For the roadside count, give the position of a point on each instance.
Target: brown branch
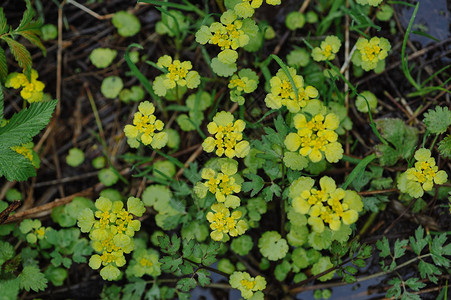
(12, 207)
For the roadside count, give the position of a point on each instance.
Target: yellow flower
(282, 92)
(328, 205)
(32, 91)
(316, 138)
(145, 125)
(222, 185)
(227, 136)
(329, 47)
(422, 176)
(178, 74)
(250, 287)
(223, 223)
(26, 152)
(370, 52)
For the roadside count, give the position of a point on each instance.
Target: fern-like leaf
(32, 36)
(3, 22)
(3, 66)
(26, 124)
(21, 54)
(27, 16)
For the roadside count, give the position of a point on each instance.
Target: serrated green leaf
(400, 249)
(444, 147)
(3, 22)
(26, 124)
(203, 277)
(32, 36)
(174, 245)
(395, 290)
(3, 75)
(359, 263)
(2, 100)
(186, 284)
(415, 284)
(428, 270)
(351, 270)
(32, 278)
(384, 247)
(188, 247)
(21, 54)
(348, 278)
(419, 241)
(437, 250)
(170, 264)
(186, 268)
(15, 166)
(438, 120)
(255, 185)
(134, 290)
(27, 16)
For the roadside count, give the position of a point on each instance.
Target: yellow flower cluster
(228, 35)
(223, 223)
(222, 185)
(327, 50)
(422, 176)
(144, 127)
(282, 92)
(32, 91)
(227, 136)
(370, 52)
(250, 287)
(111, 232)
(179, 74)
(316, 138)
(328, 205)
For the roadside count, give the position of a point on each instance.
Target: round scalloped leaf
(272, 245)
(320, 241)
(195, 230)
(49, 32)
(203, 102)
(295, 161)
(163, 169)
(385, 13)
(438, 120)
(295, 20)
(300, 258)
(75, 157)
(298, 235)
(111, 87)
(242, 245)
(298, 58)
(322, 265)
(156, 194)
(342, 234)
(126, 23)
(102, 57)
(108, 177)
(221, 69)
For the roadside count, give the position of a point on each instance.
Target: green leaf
(26, 124)
(395, 290)
(438, 250)
(358, 169)
(415, 284)
(15, 166)
(403, 138)
(135, 290)
(21, 54)
(27, 16)
(186, 284)
(186, 268)
(400, 249)
(3, 74)
(438, 120)
(6, 252)
(428, 270)
(127, 24)
(203, 277)
(31, 33)
(256, 185)
(384, 247)
(4, 28)
(419, 241)
(444, 147)
(32, 278)
(270, 191)
(170, 264)
(188, 247)
(10, 289)
(2, 99)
